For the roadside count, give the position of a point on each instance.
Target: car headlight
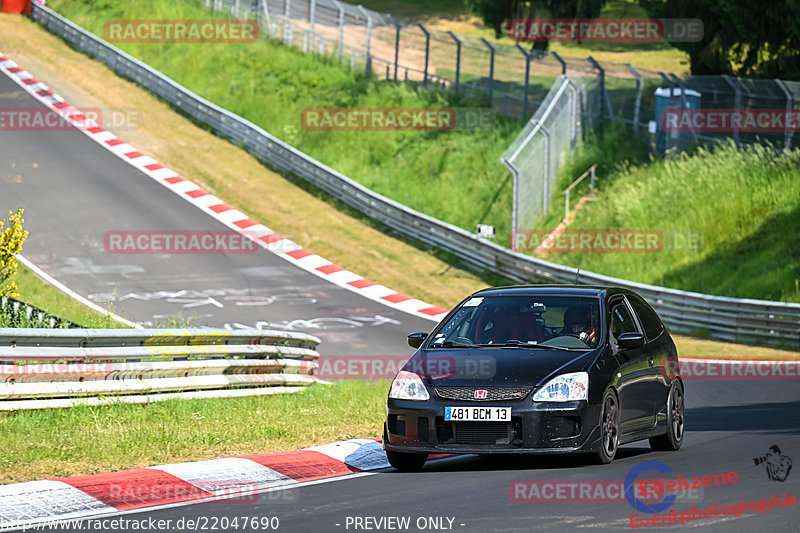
(564, 388)
(408, 386)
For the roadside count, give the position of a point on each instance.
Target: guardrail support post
(491, 67)
(638, 102)
(458, 59)
(368, 67)
(427, 53)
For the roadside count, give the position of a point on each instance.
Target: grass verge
(742, 204)
(34, 291)
(87, 440)
(453, 175)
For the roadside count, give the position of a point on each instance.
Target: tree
(498, 14)
(753, 38)
(11, 239)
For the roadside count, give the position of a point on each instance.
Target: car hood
(495, 367)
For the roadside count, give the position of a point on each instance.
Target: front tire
(406, 462)
(609, 429)
(671, 440)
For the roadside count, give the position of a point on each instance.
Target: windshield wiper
(513, 343)
(519, 344)
(454, 344)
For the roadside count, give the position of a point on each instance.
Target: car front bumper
(535, 427)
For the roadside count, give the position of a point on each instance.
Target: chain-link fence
(675, 112)
(538, 153)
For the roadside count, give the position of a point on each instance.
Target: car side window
(621, 320)
(649, 319)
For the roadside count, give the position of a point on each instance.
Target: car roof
(549, 290)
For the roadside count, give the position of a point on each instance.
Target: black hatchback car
(537, 369)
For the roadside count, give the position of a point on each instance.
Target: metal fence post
(573, 114)
(491, 68)
(265, 10)
(527, 80)
(563, 63)
(546, 169)
(787, 142)
(341, 27)
(427, 53)
(458, 59)
(312, 6)
(287, 24)
(603, 90)
(737, 102)
(684, 101)
(368, 68)
(638, 102)
(514, 207)
(396, 44)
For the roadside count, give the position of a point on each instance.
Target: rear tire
(609, 429)
(406, 462)
(671, 440)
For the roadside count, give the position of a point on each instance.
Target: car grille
(481, 433)
(492, 393)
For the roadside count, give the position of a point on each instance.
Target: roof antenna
(577, 273)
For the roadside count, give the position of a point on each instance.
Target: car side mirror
(415, 340)
(630, 340)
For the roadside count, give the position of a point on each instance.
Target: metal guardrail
(25, 314)
(722, 318)
(41, 368)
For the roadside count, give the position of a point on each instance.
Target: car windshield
(565, 322)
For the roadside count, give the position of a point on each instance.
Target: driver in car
(578, 322)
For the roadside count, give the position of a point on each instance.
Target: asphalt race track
(74, 191)
(729, 423)
(77, 191)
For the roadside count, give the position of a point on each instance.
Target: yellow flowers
(12, 235)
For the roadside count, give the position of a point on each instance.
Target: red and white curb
(240, 478)
(213, 206)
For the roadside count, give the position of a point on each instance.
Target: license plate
(477, 414)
